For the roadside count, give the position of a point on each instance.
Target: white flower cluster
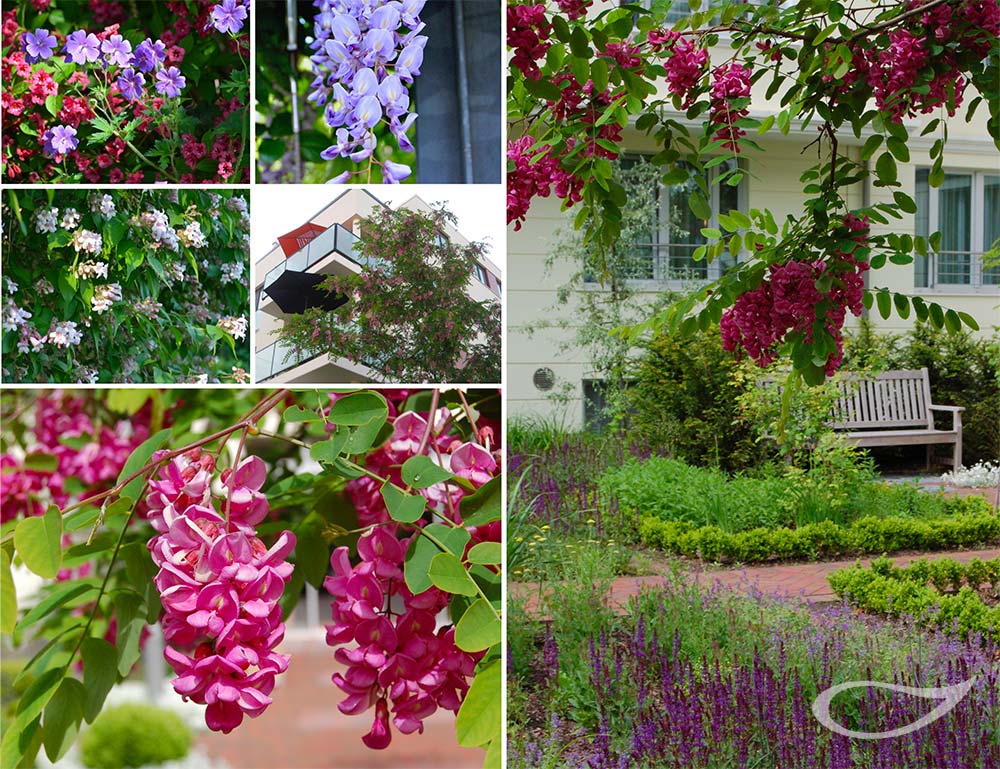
(105, 296)
(980, 475)
(46, 219)
(85, 375)
(148, 307)
(173, 272)
(232, 272)
(13, 316)
(192, 236)
(240, 376)
(70, 219)
(12, 287)
(235, 326)
(87, 241)
(64, 334)
(237, 203)
(29, 339)
(159, 227)
(43, 287)
(103, 203)
(92, 270)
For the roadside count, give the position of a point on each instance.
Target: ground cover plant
(943, 592)
(208, 512)
(99, 92)
(699, 677)
(125, 286)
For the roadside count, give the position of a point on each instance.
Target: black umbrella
(296, 292)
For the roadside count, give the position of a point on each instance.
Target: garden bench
(895, 409)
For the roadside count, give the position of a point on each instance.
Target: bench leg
(930, 456)
(956, 460)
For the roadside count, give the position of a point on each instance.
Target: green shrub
(825, 539)
(884, 589)
(134, 735)
(684, 400)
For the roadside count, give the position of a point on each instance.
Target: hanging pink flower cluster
(528, 179)
(730, 81)
(396, 656)
(61, 420)
(528, 32)
(574, 9)
(685, 64)
(786, 301)
(219, 585)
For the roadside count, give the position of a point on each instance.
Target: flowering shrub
(410, 317)
(173, 518)
(580, 75)
(101, 97)
(128, 286)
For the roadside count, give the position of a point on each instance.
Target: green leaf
(579, 43)
(543, 89)
(486, 553)
(884, 302)
(937, 315)
(479, 628)
(130, 623)
(62, 718)
(402, 507)
(312, 554)
(99, 674)
(952, 322)
(871, 144)
(449, 574)
(37, 460)
(599, 74)
(898, 149)
(60, 595)
(902, 303)
(8, 595)
(29, 708)
(420, 472)
(969, 321)
(359, 409)
(700, 206)
(363, 437)
(37, 541)
(328, 450)
(140, 570)
(905, 202)
(885, 168)
(138, 459)
(299, 414)
(711, 233)
(478, 719)
(422, 551)
(494, 754)
(483, 506)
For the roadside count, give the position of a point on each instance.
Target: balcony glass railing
(337, 239)
(280, 356)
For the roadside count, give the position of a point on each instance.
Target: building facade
(965, 209)
(326, 244)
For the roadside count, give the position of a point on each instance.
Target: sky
(278, 208)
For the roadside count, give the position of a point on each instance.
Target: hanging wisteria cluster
(366, 56)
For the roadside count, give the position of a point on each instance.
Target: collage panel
(369, 93)
(140, 92)
(126, 286)
(378, 285)
(243, 577)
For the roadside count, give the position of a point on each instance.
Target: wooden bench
(895, 409)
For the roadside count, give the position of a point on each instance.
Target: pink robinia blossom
(730, 81)
(528, 32)
(685, 66)
(219, 585)
(786, 301)
(574, 9)
(529, 179)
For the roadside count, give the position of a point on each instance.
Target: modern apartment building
(965, 208)
(326, 244)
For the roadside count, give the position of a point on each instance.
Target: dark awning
(296, 292)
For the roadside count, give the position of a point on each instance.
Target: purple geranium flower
(170, 81)
(148, 54)
(131, 84)
(60, 140)
(228, 16)
(38, 46)
(117, 50)
(394, 173)
(82, 47)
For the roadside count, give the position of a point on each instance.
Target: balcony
(279, 357)
(337, 240)
(956, 271)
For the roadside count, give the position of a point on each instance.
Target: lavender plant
(366, 56)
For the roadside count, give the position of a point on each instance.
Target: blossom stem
(431, 416)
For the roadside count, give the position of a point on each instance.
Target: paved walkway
(303, 729)
(807, 580)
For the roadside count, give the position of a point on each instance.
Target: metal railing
(665, 264)
(280, 356)
(959, 268)
(338, 240)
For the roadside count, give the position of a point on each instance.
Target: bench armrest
(932, 407)
(956, 415)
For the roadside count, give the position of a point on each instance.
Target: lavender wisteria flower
(228, 16)
(148, 55)
(365, 56)
(131, 83)
(170, 81)
(82, 47)
(38, 46)
(60, 140)
(117, 50)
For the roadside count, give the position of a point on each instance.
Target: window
(480, 272)
(595, 405)
(666, 253)
(965, 209)
(499, 288)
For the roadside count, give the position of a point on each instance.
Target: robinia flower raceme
(366, 56)
(219, 585)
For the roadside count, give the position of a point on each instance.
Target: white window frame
(977, 244)
(479, 273)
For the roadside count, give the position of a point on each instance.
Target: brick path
(303, 729)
